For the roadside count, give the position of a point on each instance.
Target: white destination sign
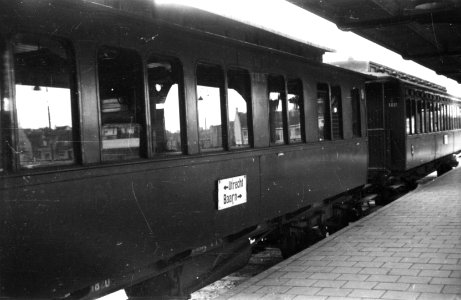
(232, 191)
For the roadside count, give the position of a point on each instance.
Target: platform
(410, 249)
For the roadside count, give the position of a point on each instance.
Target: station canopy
(425, 31)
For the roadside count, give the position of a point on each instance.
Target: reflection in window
(432, 117)
(427, 114)
(164, 79)
(295, 110)
(210, 82)
(122, 104)
(238, 103)
(336, 113)
(276, 88)
(417, 115)
(323, 111)
(356, 121)
(408, 117)
(44, 81)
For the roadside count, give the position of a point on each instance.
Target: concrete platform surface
(410, 249)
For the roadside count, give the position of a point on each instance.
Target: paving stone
(425, 288)
(374, 271)
(303, 297)
(306, 291)
(328, 276)
(334, 292)
(366, 293)
(396, 295)
(383, 278)
(329, 283)
(300, 282)
(452, 289)
(392, 286)
(435, 273)
(353, 277)
(278, 297)
(434, 296)
(404, 272)
(365, 285)
(414, 279)
(273, 289)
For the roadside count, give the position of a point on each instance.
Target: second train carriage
(414, 126)
(120, 133)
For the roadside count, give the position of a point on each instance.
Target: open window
(164, 77)
(210, 89)
(239, 108)
(277, 109)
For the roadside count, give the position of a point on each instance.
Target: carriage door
(376, 126)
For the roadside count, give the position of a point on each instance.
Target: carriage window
(277, 109)
(239, 107)
(356, 122)
(408, 119)
(417, 111)
(420, 113)
(122, 104)
(436, 117)
(164, 77)
(433, 117)
(426, 116)
(210, 83)
(336, 113)
(295, 110)
(44, 83)
(323, 111)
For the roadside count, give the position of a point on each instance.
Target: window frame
(284, 112)
(222, 104)
(181, 104)
(141, 86)
(9, 116)
(327, 136)
(250, 137)
(301, 110)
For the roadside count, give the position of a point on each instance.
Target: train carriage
(413, 125)
(122, 135)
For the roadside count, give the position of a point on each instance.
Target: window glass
(122, 104)
(356, 121)
(417, 112)
(277, 109)
(432, 107)
(421, 113)
(164, 77)
(44, 73)
(295, 110)
(426, 116)
(210, 82)
(239, 107)
(323, 111)
(336, 113)
(408, 110)
(436, 117)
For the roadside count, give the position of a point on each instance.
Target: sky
(287, 19)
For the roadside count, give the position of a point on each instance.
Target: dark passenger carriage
(120, 133)
(414, 126)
